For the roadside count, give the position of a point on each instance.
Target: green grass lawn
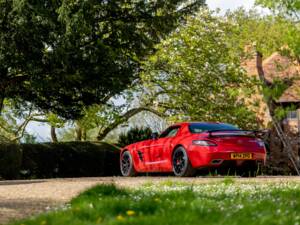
(226, 202)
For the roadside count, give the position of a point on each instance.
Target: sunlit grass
(225, 202)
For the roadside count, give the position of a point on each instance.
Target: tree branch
(22, 132)
(40, 120)
(125, 117)
(23, 126)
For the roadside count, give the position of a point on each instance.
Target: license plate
(241, 156)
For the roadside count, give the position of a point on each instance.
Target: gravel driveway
(20, 199)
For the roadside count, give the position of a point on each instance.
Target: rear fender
(178, 145)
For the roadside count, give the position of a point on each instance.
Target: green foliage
(54, 120)
(266, 32)
(64, 55)
(293, 41)
(205, 203)
(276, 90)
(289, 9)
(196, 74)
(273, 93)
(93, 193)
(281, 112)
(133, 135)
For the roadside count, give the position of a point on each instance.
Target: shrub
(10, 160)
(135, 134)
(51, 160)
(70, 159)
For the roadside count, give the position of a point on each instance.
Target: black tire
(181, 164)
(126, 165)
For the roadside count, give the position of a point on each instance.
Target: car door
(159, 149)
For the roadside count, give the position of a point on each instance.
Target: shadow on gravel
(16, 209)
(18, 182)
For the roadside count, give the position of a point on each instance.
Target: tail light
(204, 143)
(261, 143)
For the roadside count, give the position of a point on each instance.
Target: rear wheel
(181, 163)
(126, 164)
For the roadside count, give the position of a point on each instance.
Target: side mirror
(154, 135)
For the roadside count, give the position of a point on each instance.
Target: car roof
(188, 123)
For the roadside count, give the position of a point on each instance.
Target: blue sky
(42, 131)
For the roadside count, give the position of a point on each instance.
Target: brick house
(277, 67)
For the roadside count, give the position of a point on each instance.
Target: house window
(292, 115)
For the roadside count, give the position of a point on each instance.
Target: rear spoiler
(235, 132)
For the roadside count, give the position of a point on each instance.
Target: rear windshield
(202, 127)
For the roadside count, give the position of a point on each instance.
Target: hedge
(53, 160)
(10, 160)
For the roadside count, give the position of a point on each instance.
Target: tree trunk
(78, 131)
(84, 134)
(53, 135)
(1, 103)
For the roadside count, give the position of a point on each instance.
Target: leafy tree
(289, 9)
(62, 55)
(266, 32)
(241, 29)
(140, 102)
(196, 75)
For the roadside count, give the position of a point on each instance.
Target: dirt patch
(22, 199)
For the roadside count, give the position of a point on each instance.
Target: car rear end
(227, 150)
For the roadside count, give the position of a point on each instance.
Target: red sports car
(186, 147)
